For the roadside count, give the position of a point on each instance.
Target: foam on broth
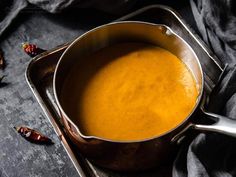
(129, 91)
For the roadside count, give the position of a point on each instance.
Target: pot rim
(86, 137)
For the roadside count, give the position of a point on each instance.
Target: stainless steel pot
(135, 155)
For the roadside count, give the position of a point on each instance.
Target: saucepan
(135, 155)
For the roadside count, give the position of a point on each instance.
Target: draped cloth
(9, 9)
(212, 154)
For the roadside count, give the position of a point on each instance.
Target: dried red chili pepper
(2, 63)
(31, 49)
(33, 135)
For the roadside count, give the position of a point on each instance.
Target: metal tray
(39, 75)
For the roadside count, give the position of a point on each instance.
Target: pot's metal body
(128, 155)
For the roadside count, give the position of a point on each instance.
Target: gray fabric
(54, 6)
(9, 9)
(212, 154)
(216, 22)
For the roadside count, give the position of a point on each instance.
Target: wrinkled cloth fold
(216, 21)
(9, 9)
(55, 6)
(213, 154)
(8, 12)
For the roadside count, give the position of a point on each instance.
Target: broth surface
(129, 91)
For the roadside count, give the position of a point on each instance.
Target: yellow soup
(129, 91)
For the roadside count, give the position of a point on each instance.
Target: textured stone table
(17, 103)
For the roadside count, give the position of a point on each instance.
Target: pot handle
(223, 125)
